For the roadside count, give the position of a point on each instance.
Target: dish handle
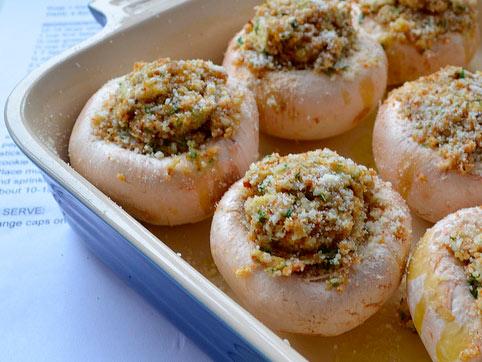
(113, 13)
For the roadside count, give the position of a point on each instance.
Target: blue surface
(207, 330)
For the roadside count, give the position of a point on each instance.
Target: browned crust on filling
(309, 214)
(294, 34)
(444, 113)
(166, 108)
(419, 22)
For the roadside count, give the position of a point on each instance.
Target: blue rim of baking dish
(152, 282)
(215, 322)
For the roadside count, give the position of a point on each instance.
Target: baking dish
(176, 274)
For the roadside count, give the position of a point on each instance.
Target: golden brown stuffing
(445, 114)
(170, 107)
(466, 246)
(310, 213)
(420, 22)
(298, 34)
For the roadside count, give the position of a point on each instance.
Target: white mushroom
(427, 142)
(311, 243)
(337, 82)
(173, 188)
(444, 286)
(420, 37)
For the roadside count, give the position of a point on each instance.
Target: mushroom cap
(304, 105)
(414, 172)
(296, 304)
(167, 191)
(443, 310)
(406, 62)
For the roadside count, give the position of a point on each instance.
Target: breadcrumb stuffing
(244, 271)
(420, 22)
(466, 246)
(309, 214)
(168, 107)
(298, 34)
(444, 111)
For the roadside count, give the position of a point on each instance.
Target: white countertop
(58, 302)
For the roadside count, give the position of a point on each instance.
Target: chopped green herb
(262, 186)
(334, 282)
(360, 18)
(262, 216)
(474, 285)
(322, 196)
(256, 27)
(192, 154)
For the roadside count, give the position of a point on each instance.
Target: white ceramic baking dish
(176, 274)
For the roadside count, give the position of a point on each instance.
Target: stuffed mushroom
(167, 140)
(311, 243)
(421, 36)
(314, 75)
(445, 287)
(427, 142)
